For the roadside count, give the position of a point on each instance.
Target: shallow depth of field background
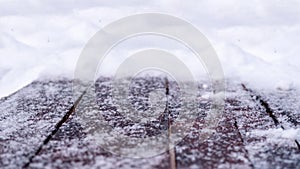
(256, 41)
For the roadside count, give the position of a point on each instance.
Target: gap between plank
(54, 131)
(172, 153)
(241, 137)
(267, 107)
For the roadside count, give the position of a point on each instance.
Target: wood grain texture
(246, 136)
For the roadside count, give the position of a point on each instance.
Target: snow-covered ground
(256, 41)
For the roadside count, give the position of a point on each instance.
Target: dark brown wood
(40, 128)
(27, 118)
(263, 135)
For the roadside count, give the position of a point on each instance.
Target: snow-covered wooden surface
(40, 129)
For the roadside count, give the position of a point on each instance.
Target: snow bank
(257, 41)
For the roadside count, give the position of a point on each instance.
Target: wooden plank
(28, 116)
(246, 137)
(266, 146)
(74, 146)
(223, 149)
(285, 105)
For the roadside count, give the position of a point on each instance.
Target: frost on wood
(75, 144)
(27, 118)
(285, 105)
(246, 135)
(259, 128)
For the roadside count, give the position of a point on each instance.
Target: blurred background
(257, 41)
